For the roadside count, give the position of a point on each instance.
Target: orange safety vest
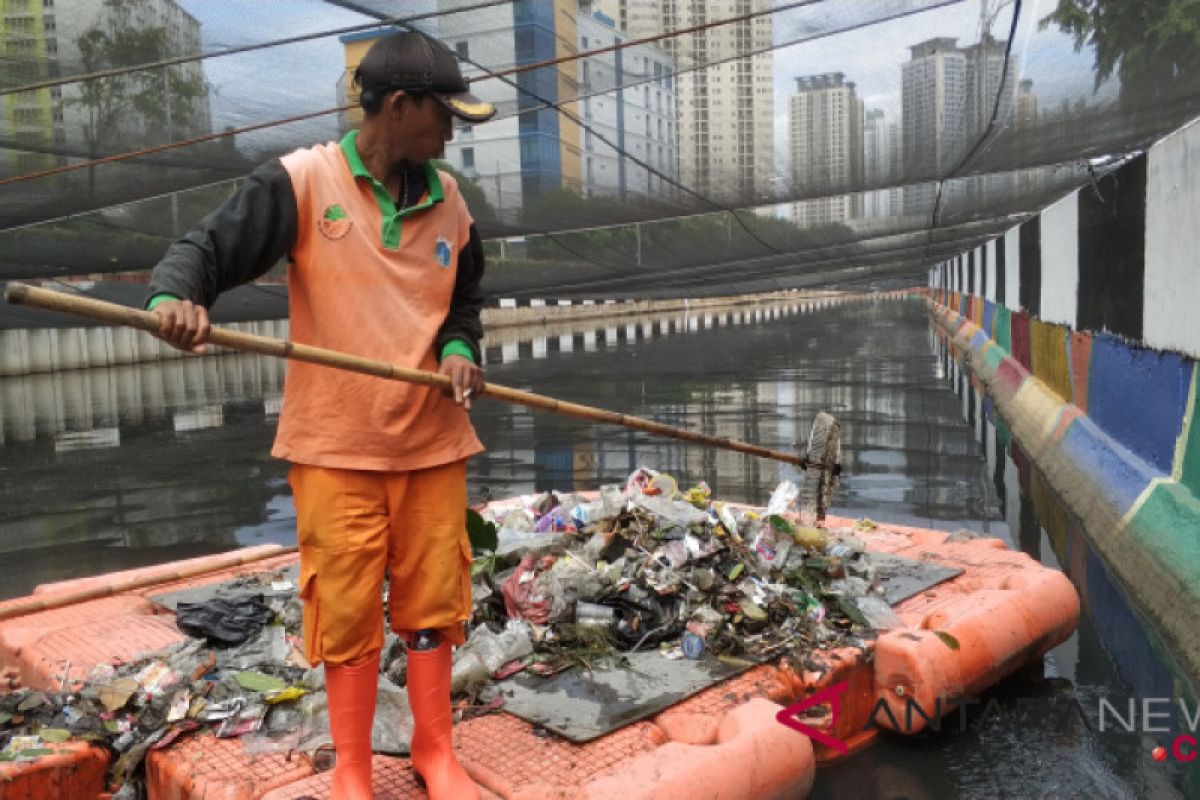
(368, 280)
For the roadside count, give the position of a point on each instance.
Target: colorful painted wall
(1083, 324)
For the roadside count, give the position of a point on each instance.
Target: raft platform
(1003, 612)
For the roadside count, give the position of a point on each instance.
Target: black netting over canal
(642, 147)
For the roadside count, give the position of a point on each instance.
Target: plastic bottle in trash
(594, 614)
(839, 550)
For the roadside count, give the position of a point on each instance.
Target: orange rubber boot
(352, 689)
(432, 750)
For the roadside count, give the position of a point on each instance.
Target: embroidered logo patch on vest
(441, 251)
(334, 224)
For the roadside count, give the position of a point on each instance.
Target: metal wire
(171, 62)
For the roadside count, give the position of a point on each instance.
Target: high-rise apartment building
(726, 138)
(881, 164)
(985, 74)
(949, 97)
(42, 39)
(626, 104)
(934, 113)
(1026, 115)
(825, 139)
(630, 140)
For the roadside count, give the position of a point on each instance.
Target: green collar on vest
(387, 205)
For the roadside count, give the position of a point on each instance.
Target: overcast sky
(295, 79)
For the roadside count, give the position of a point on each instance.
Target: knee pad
(426, 639)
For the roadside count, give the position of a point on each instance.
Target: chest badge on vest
(334, 223)
(441, 251)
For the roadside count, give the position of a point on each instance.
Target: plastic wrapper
(609, 505)
(270, 646)
(565, 583)
(557, 519)
(523, 597)
(512, 543)
(393, 728)
(783, 498)
(670, 512)
(878, 613)
(485, 652)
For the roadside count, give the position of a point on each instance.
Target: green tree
(472, 193)
(143, 106)
(1153, 45)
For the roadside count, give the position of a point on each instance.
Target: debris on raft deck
(563, 584)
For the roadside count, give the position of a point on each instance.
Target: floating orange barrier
(75, 770)
(962, 636)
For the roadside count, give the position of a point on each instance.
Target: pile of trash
(563, 581)
(575, 580)
(241, 673)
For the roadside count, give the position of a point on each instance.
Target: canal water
(108, 469)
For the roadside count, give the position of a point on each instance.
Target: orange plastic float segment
(688, 727)
(505, 754)
(75, 771)
(42, 646)
(162, 573)
(1005, 612)
(205, 768)
(392, 779)
(753, 756)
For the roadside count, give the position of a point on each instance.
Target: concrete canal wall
(1083, 323)
(25, 351)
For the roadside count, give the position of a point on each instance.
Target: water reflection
(1035, 735)
(161, 460)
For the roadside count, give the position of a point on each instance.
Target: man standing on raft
(384, 263)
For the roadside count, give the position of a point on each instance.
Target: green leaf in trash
(752, 610)
(482, 533)
(782, 525)
(257, 682)
(852, 612)
(5, 717)
(54, 735)
(736, 571)
(36, 752)
(33, 701)
(484, 565)
(947, 639)
(800, 578)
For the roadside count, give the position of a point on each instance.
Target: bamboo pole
(21, 294)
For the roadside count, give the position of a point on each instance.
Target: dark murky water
(110, 469)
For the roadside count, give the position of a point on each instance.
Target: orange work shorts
(355, 527)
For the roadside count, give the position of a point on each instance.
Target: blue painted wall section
(1138, 396)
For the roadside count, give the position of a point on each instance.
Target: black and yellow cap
(414, 62)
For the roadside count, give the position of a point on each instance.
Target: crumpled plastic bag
(224, 622)
(670, 512)
(565, 583)
(268, 647)
(486, 652)
(523, 598)
(878, 613)
(304, 726)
